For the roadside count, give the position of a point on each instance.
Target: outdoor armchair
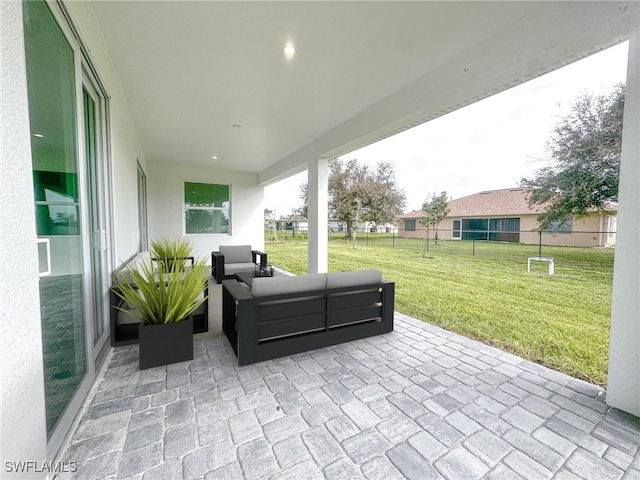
(232, 259)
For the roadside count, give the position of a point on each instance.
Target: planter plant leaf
(164, 291)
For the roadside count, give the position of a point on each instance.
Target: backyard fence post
(540, 243)
(367, 237)
(393, 238)
(473, 252)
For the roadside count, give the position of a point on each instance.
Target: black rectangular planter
(166, 343)
(128, 333)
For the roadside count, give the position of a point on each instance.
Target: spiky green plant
(166, 294)
(173, 252)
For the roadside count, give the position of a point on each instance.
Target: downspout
(600, 228)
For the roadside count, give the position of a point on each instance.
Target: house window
(504, 224)
(410, 225)
(491, 229)
(504, 229)
(564, 225)
(142, 210)
(475, 228)
(207, 208)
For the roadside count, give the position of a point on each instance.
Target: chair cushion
(353, 279)
(231, 268)
(236, 253)
(261, 287)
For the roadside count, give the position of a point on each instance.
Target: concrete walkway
(418, 403)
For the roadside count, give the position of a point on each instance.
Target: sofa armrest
(217, 266)
(237, 290)
(263, 258)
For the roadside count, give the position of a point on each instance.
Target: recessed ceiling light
(289, 50)
(214, 158)
(235, 125)
(38, 135)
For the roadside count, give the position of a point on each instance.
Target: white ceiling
(362, 71)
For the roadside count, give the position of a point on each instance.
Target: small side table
(549, 260)
(266, 271)
(247, 277)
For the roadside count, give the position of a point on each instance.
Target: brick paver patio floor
(417, 403)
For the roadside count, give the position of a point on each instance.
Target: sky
(488, 145)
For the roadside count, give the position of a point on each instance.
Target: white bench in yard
(549, 260)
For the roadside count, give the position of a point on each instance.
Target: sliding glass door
(95, 188)
(54, 145)
(68, 178)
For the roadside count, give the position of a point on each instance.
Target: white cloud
(488, 145)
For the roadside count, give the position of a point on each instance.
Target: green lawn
(561, 321)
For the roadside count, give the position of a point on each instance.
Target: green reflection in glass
(206, 195)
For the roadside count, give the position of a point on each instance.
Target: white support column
(318, 182)
(623, 389)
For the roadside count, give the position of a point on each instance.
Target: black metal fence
(581, 249)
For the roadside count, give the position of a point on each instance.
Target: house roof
(495, 203)
(293, 218)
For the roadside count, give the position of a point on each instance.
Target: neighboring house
(294, 223)
(336, 226)
(506, 216)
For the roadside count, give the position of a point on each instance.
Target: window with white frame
(564, 225)
(207, 208)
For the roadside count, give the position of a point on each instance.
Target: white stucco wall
(165, 187)
(23, 434)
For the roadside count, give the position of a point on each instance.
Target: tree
(585, 159)
(270, 220)
(304, 195)
(357, 191)
(434, 210)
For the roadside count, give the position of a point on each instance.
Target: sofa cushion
(236, 253)
(135, 263)
(352, 279)
(123, 318)
(261, 287)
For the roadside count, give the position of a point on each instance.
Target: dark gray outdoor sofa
(284, 315)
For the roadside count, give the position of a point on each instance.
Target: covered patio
(115, 113)
(418, 403)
